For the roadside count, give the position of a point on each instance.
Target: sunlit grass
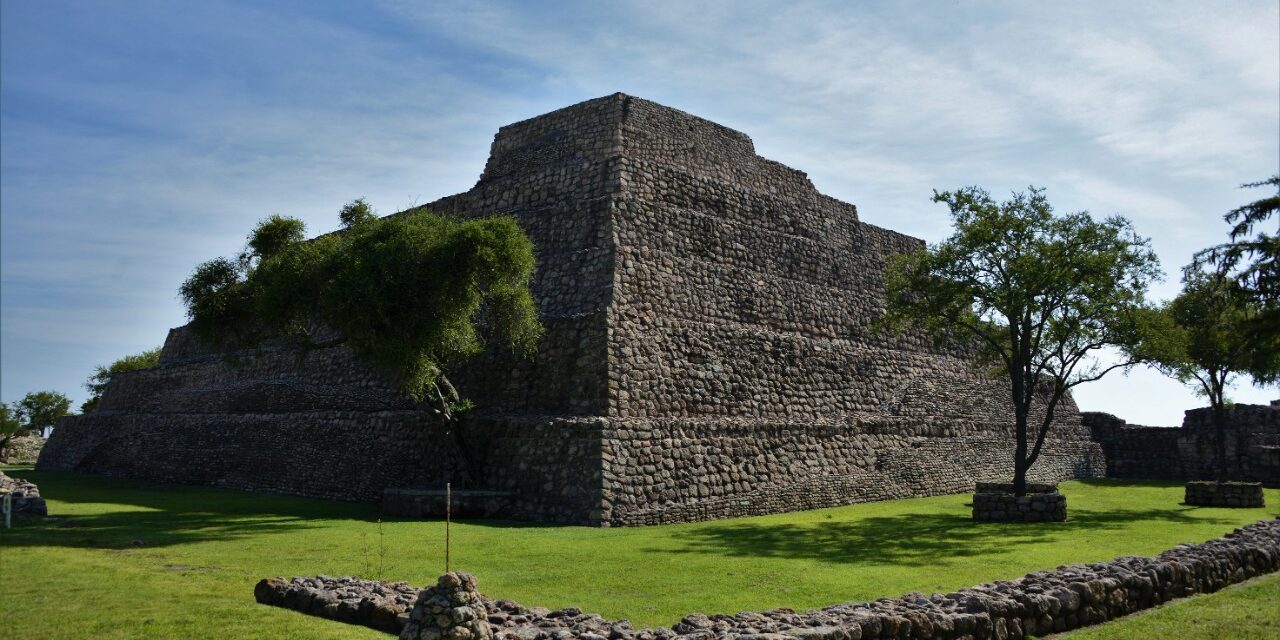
(127, 559)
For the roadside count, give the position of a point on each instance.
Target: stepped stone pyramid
(709, 352)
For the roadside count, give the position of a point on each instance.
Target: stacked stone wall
(1189, 452)
(665, 471)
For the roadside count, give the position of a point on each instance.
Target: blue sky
(140, 138)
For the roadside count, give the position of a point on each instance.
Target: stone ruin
(710, 352)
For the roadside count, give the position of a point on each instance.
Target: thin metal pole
(8, 509)
(448, 512)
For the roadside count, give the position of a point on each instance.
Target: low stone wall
(25, 496)
(1225, 494)
(1039, 603)
(379, 605)
(1006, 507)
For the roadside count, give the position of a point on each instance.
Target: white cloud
(131, 169)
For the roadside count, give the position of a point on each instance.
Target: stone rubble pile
(1039, 603)
(450, 610)
(24, 494)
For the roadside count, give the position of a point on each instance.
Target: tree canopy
(413, 294)
(1201, 338)
(40, 409)
(1036, 294)
(10, 422)
(1251, 260)
(101, 377)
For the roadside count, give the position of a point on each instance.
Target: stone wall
(1006, 507)
(1189, 452)
(1207, 493)
(1039, 603)
(709, 352)
(679, 470)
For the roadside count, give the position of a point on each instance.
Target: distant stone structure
(1188, 453)
(22, 450)
(710, 352)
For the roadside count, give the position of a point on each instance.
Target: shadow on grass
(134, 513)
(914, 539)
(158, 514)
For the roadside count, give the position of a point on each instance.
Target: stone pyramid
(709, 352)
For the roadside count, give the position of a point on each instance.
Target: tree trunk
(1020, 455)
(1220, 433)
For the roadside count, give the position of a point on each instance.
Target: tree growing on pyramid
(412, 294)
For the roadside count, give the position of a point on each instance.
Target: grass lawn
(1249, 611)
(123, 559)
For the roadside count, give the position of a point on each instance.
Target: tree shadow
(912, 539)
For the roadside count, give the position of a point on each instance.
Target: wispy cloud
(141, 139)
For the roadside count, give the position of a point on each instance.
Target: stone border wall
(1043, 602)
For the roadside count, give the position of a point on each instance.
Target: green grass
(1249, 611)
(78, 575)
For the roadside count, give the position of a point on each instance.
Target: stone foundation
(1225, 494)
(24, 495)
(1006, 507)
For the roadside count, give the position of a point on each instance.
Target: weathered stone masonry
(1188, 453)
(709, 353)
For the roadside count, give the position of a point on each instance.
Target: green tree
(413, 294)
(356, 212)
(272, 236)
(1202, 338)
(97, 383)
(218, 299)
(1252, 259)
(41, 409)
(1037, 296)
